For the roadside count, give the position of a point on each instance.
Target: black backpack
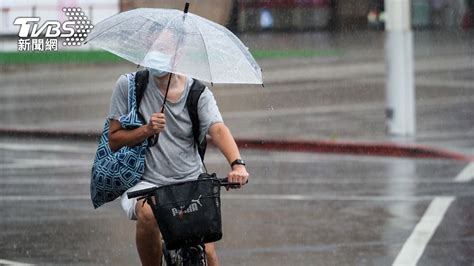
(141, 82)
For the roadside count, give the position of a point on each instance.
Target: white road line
(67, 147)
(424, 230)
(230, 196)
(333, 180)
(466, 175)
(45, 163)
(348, 107)
(17, 198)
(324, 197)
(9, 262)
(44, 181)
(415, 245)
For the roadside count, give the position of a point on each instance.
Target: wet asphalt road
(298, 209)
(339, 97)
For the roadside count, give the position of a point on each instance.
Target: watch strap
(237, 161)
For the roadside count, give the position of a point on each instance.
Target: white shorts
(128, 205)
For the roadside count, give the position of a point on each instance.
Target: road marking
(44, 198)
(324, 197)
(44, 181)
(466, 175)
(424, 230)
(67, 147)
(40, 163)
(9, 262)
(348, 107)
(45, 163)
(333, 180)
(230, 196)
(415, 245)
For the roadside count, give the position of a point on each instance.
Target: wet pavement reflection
(298, 209)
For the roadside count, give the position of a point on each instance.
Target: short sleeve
(208, 112)
(119, 100)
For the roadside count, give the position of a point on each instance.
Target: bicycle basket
(188, 213)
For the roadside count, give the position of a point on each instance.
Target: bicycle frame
(193, 255)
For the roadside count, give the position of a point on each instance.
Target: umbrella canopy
(177, 42)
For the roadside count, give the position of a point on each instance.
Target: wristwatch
(237, 161)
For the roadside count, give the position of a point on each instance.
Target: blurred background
(258, 15)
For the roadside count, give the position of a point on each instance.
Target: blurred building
(216, 10)
(255, 15)
(426, 14)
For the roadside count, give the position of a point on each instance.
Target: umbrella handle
(153, 140)
(186, 7)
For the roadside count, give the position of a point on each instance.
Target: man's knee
(145, 215)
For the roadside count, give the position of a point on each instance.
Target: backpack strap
(192, 104)
(141, 82)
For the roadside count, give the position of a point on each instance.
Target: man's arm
(119, 137)
(224, 140)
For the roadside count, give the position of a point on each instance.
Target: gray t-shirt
(174, 158)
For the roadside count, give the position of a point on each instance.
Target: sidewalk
(336, 100)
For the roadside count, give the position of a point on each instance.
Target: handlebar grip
(225, 182)
(141, 192)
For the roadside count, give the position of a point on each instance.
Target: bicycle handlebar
(148, 191)
(141, 192)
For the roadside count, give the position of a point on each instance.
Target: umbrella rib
(231, 36)
(146, 20)
(109, 29)
(205, 48)
(247, 61)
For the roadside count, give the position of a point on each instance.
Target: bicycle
(184, 253)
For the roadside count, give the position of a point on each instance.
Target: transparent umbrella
(178, 42)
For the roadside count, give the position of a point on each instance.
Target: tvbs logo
(45, 36)
(29, 27)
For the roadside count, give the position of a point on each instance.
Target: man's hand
(238, 174)
(156, 124)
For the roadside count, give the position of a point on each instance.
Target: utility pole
(399, 86)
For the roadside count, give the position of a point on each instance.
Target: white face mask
(157, 73)
(159, 61)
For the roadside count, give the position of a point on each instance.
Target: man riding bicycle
(174, 158)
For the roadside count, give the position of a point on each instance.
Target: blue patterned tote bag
(115, 172)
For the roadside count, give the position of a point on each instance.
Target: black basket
(189, 213)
